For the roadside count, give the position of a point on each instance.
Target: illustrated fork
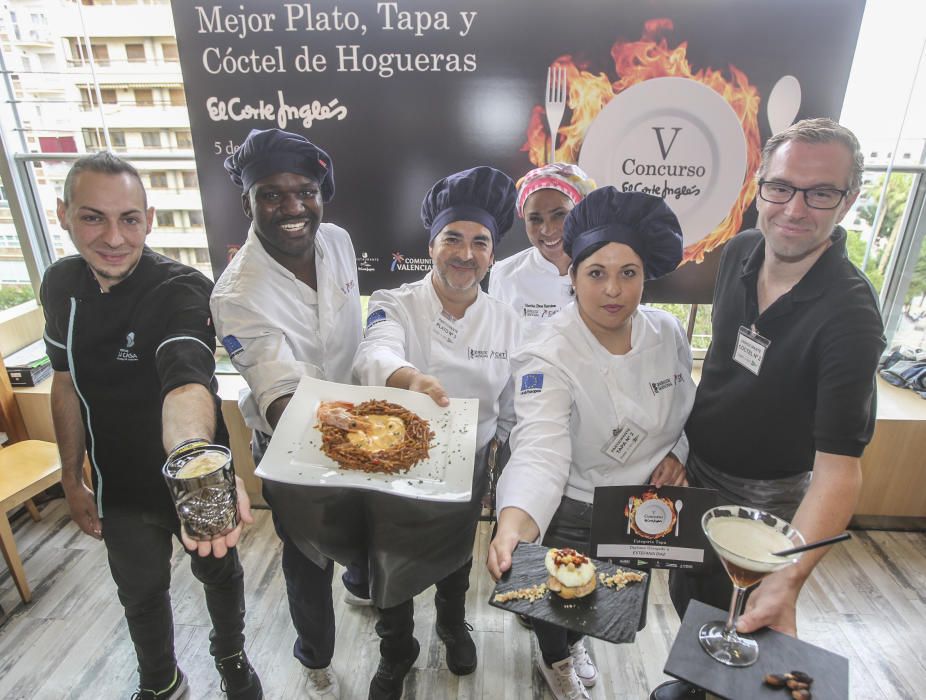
(556, 103)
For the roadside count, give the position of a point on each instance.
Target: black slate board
(778, 653)
(606, 613)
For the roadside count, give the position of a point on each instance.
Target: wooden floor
(867, 601)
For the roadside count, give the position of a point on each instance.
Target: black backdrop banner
(666, 96)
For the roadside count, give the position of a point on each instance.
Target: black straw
(812, 545)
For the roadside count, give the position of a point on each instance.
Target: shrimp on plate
(338, 414)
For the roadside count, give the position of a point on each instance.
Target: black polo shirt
(125, 350)
(816, 386)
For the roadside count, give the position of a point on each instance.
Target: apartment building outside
(91, 75)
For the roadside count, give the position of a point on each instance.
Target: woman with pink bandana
(535, 281)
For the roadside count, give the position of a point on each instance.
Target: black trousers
(139, 546)
(308, 589)
(396, 625)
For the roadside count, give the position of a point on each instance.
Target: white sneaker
(321, 683)
(356, 600)
(563, 680)
(582, 663)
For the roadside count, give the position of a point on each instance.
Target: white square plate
(294, 455)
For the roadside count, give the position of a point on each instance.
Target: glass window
(100, 53)
(151, 139)
(135, 53)
(91, 139)
(887, 222)
(911, 326)
(144, 97)
(76, 51)
(701, 333)
(15, 286)
(49, 84)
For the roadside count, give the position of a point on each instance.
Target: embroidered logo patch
(375, 317)
(532, 383)
(660, 385)
(475, 354)
(126, 354)
(232, 345)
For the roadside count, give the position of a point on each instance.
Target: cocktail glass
(744, 539)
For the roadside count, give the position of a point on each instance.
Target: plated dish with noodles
(377, 438)
(373, 436)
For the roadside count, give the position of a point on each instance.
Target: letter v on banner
(662, 146)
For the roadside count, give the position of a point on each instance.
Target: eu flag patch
(531, 383)
(376, 317)
(232, 345)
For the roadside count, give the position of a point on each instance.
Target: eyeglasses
(814, 197)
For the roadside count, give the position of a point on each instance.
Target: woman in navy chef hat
(585, 378)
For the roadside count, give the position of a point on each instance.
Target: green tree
(14, 294)
(895, 202)
(855, 248)
(918, 280)
(701, 336)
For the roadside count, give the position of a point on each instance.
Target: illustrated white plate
(666, 122)
(653, 516)
(294, 455)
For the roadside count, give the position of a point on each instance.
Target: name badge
(750, 349)
(625, 440)
(445, 329)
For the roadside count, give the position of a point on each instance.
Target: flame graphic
(634, 62)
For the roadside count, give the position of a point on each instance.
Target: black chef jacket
(125, 351)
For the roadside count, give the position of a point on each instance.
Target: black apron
(409, 544)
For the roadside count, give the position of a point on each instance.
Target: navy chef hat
(481, 194)
(272, 151)
(642, 221)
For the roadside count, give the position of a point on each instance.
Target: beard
(443, 273)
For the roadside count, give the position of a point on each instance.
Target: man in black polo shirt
(787, 390)
(130, 338)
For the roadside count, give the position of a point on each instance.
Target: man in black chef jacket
(131, 341)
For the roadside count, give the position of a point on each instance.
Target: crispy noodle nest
(395, 460)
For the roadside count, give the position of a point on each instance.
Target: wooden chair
(27, 467)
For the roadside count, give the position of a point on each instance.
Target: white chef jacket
(531, 285)
(407, 327)
(572, 394)
(277, 329)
